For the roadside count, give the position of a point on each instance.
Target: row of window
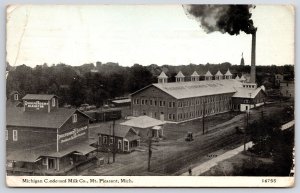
(183, 103)
(15, 135)
(186, 115)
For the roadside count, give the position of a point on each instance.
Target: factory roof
(247, 93)
(16, 116)
(181, 90)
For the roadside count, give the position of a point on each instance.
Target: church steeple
(242, 61)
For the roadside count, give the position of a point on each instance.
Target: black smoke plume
(224, 18)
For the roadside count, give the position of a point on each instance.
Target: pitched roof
(237, 77)
(179, 75)
(15, 116)
(195, 74)
(190, 89)
(218, 73)
(143, 122)
(246, 92)
(228, 73)
(162, 75)
(208, 73)
(120, 130)
(38, 97)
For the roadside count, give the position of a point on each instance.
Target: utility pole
(114, 141)
(149, 152)
(246, 127)
(203, 123)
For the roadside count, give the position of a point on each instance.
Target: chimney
(253, 73)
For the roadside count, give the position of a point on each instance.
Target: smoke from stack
(231, 19)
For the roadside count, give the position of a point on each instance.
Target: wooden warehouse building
(42, 138)
(186, 100)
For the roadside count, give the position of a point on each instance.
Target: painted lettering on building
(75, 133)
(36, 104)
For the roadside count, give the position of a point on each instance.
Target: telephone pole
(203, 124)
(149, 153)
(114, 141)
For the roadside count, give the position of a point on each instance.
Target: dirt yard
(173, 155)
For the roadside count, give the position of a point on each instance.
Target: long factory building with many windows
(186, 100)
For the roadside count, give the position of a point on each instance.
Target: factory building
(43, 139)
(187, 100)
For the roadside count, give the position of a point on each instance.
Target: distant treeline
(96, 83)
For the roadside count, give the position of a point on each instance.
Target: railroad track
(172, 165)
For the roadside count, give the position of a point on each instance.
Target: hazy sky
(144, 34)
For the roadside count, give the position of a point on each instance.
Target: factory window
(170, 116)
(146, 102)
(137, 101)
(16, 97)
(170, 104)
(74, 118)
(53, 102)
(6, 135)
(155, 115)
(179, 104)
(15, 135)
(164, 103)
(155, 103)
(173, 104)
(150, 102)
(104, 139)
(142, 101)
(173, 116)
(160, 103)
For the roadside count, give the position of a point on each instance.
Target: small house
(122, 139)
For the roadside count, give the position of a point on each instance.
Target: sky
(143, 34)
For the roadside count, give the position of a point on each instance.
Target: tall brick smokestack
(253, 53)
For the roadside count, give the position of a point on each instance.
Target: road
(200, 169)
(174, 156)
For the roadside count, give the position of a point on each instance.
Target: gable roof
(143, 122)
(162, 75)
(195, 74)
(179, 75)
(247, 93)
(180, 90)
(237, 77)
(15, 116)
(120, 130)
(38, 97)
